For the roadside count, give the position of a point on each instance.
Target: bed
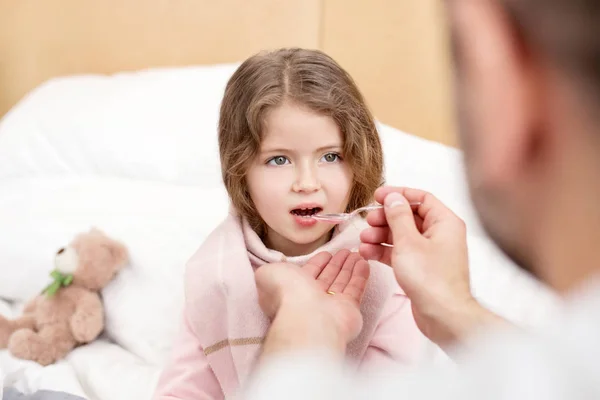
(124, 139)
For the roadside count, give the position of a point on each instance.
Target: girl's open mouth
(306, 212)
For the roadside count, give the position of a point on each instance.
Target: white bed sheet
(135, 155)
(101, 370)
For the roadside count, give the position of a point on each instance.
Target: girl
(295, 138)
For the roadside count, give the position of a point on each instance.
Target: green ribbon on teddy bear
(59, 281)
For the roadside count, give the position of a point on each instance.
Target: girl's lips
(304, 221)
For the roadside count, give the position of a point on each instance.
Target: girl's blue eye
(279, 160)
(330, 157)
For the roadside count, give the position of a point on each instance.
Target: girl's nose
(306, 181)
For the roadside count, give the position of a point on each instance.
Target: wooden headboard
(395, 49)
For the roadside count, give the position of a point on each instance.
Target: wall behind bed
(397, 50)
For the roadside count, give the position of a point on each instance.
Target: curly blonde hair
(305, 77)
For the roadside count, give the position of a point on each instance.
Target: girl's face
(300, 170)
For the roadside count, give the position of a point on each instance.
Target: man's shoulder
(559, 359)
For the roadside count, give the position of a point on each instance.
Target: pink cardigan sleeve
(188, 375)
(396, 339)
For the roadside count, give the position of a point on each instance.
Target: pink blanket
(224, 325)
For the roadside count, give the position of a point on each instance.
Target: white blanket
(101, 370)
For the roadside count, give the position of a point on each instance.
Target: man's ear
(502, 86)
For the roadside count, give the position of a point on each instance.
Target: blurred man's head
(528, 90)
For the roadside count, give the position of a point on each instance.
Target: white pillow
(160, 124)
(161, 224)
(156, 124)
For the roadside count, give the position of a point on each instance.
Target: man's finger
(375, 252)
(341, 280)
(399, 216)
(431, 209)
(316, 264)
(412, 195)
(377, 218)
(376, 235)
(332, 269)
(358, 282)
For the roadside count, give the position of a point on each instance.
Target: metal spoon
(336, 218)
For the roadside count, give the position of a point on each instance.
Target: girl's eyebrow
(283, 150)
(275, 150)
(329, 147)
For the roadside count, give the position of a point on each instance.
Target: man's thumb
(399, 216)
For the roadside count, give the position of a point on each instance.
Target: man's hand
(428, 252)
(315, 306)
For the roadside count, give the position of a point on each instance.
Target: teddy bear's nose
(60, 251)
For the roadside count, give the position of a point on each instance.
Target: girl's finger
(316, 264)
(358, 282)
(342, 279)
(332, 269)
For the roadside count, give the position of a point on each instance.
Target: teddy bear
(69, 312)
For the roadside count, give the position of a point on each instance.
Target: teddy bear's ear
(96, 231)
(120, 254)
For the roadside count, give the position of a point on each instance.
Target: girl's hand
(345, 273)
(323, 296)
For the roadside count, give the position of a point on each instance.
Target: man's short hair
(565, 31)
